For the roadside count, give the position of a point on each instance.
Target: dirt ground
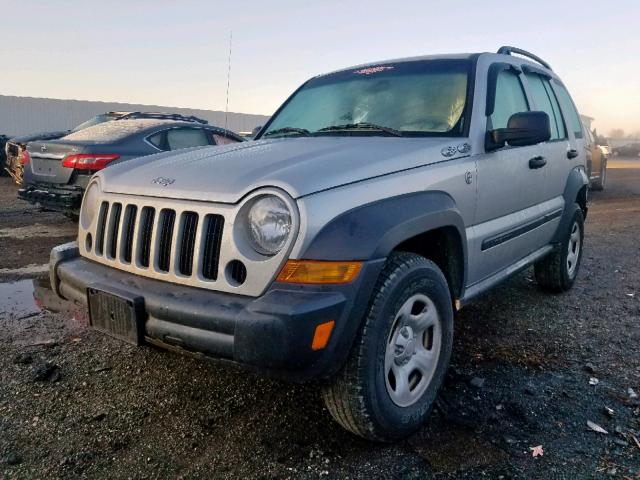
(529, 369)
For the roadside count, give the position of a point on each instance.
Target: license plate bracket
(116, 313)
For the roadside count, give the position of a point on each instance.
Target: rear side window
(569, 109)
(546, 101)
(510, 99)
(178, 138)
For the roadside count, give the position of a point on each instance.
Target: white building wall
(26, 115)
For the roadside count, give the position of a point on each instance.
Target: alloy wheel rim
(412, 350)
(573, 253)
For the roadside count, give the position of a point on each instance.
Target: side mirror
(524, 128)
(255, 131)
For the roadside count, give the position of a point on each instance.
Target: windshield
(416, 98)
(105, 117)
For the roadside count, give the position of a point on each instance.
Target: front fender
(373, 230)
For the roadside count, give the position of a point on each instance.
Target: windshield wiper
(285, 130)
(362, 126)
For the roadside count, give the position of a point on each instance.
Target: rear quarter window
(569, 108)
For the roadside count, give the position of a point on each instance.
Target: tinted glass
(547, 103)
(178, 138)
(157, 140)
(510, 99)
(416, 98)
(569, 109)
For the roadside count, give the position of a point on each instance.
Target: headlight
(269, 224)
(89, 205)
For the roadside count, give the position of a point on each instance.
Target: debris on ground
(537, 451)
(596, 428)
(46, 372)
(594, 381)
(477, 382)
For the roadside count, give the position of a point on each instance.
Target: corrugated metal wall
(25, 115)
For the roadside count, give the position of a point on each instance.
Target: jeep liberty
(336, 247)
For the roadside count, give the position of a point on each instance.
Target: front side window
(545, 101)
(569, 109)
(178, 138)
(418, 98)
(509, 99)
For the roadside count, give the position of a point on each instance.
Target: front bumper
(272, 333)
(59, 199)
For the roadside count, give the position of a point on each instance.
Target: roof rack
(165, 116)
(506, 50)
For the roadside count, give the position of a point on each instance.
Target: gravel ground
(529, 369)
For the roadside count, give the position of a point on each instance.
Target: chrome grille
(187, 242)
(166, 240)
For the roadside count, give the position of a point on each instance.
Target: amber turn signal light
(322, 335)
(319, 272)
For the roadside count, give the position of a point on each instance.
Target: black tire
(599, 184)
(554, 272)
(357, 397)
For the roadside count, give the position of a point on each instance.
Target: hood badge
(165, 182)
(43, 148)
(448, 151)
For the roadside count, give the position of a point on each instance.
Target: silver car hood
(300, 166)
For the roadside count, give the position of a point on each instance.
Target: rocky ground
(529, 370)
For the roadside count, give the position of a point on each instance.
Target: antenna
(226, 109)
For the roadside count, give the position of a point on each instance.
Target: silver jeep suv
(376, 201)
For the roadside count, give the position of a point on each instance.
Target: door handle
(573, 153)
(537, 162)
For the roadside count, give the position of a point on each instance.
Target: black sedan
(56, 172)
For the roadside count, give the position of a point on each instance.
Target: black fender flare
(373, 230)
(576, 181)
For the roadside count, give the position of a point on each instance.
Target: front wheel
(558, 271)
(398, 362)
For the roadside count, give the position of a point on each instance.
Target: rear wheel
(558, 271)
(599, 183)
(390, 381)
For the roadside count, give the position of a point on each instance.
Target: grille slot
(146, 230)
(114, 228)
(214, 225)
(128, 227)
(188, 242)
(167, 221)
(102, 223)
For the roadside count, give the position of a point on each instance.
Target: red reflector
(25, 158)
(89, 161)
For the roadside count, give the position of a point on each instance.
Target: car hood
(38, 136)
(300, 166)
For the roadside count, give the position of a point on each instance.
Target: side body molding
(373, 230)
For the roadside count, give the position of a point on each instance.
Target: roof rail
(165, 116)
(506, 50)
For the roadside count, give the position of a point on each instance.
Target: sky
(175, 53)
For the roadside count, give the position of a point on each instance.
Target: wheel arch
(575, 191)
(426, 223)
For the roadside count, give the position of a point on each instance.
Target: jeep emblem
(43, 148)
(165, 182)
